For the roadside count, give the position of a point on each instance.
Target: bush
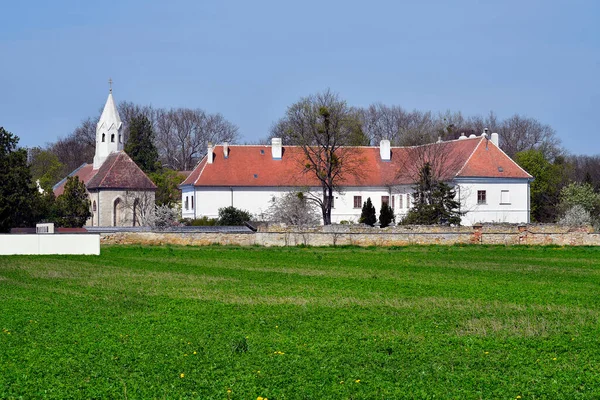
(204, 221)
(293, 208)
(386, 215)
(577, 215)
(368, 215)
(164, 217)
(231, 216)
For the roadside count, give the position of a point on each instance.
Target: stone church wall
(105, 206)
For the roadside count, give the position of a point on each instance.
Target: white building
(120, 192)
(490, 186)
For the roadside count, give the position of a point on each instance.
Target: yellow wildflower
(518, 397)
(259, 398)
(228, 390)
(487, 352)
(195, 353)
(357, 381)
(341, 382)
(181, 375)
(554, 359)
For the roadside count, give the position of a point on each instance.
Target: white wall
(207, 201)
(50, 244)
(493, 210)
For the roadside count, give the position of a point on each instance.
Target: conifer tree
(140, 145)
(368, 215)
(73, 206)
(386, 215)
(434, 202)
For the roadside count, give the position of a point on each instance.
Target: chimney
(276, 149)
(485, 133)
(209, 153)
(495, 139)
(384, 150)
(225, 149)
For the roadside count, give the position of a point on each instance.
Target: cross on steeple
(110, 82)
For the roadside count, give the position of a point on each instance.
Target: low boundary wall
(279, 235)
(88, 244)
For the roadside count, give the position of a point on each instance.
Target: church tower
(109, 132)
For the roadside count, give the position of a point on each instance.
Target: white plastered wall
(515, 210)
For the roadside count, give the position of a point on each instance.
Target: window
(481, 197)
(357, 202)
(112, 138)
(504, 197)
(400, 205)
(94, 206)
(332, 202)
(385, 200)
(120, 138)
(393, 197)
(192, 202)
(187, 202)
(103, 137)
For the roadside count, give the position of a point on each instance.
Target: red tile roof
(254, 166)
(118, 171)
(85, 172)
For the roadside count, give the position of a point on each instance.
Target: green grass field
(302, 323)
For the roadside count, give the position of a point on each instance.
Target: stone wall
(280, 235)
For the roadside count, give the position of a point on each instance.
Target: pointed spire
(109, 136)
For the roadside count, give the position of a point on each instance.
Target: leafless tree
(321, 125)
(129, 110)
(400, 127)
(293, 208)
(519, 133)
(140, 206)
(78, 147)
(183, 135)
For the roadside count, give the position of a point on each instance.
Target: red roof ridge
(469, 158)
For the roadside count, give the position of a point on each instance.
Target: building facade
(490, 186)
(120, 193)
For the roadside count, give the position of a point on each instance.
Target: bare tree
(400, 127)
(321, 125)
(140, 206)
(78, 147)
(519, 133)
(128, 111)
(293, 208)
(183, 134)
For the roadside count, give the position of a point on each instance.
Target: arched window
(94, 206)
(103, 137)
(117, 212)
(120, 138)
(112, 138)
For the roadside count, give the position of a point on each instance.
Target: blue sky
(250, 60)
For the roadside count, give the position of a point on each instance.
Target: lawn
(222, 322)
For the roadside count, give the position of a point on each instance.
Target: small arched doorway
(117, 212)
(93, 212)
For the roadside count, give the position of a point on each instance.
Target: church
(121, 194)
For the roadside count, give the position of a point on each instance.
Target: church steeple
(109, 135)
